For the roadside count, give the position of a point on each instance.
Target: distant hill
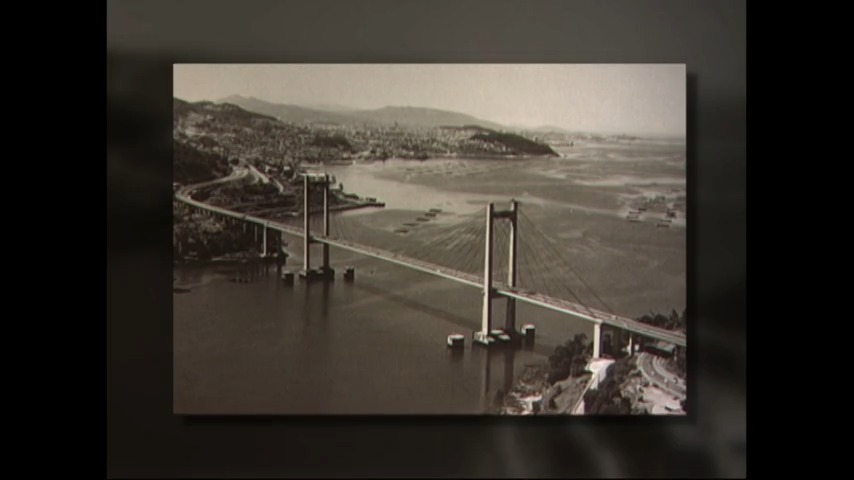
(517, 144)
(190, 165)
(223, 111)
(329, 108)
(285, 113)
(425, 117)
(228, 131)
(548, 129)
(387, 116)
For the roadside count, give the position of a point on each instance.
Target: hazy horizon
(638, 99)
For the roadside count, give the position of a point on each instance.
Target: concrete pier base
(529, 332)
(456, 341)
(500, 336)
(483, 339)
(317, 274)
(350, 274)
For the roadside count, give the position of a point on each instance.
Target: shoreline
(452, 156)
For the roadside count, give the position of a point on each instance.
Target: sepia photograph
(429, 239)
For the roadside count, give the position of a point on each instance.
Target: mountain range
(386, 116)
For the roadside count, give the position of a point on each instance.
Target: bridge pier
(510, 316)
(325, 247)
(306, 244)
(597, 339)
(264, 241)
(326, 268)
(325, 272)
(482, 337)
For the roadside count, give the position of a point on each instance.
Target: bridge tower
(325, 271)
(264, 240)
(325, 247)
(482, 336)
(510, 318)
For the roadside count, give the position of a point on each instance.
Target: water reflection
(324, 304)
(456, 355)
(499, 373)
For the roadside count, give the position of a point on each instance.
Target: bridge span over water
(490, 289)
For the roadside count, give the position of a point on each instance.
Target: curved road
(653, 369)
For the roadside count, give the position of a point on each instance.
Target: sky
(607, 98)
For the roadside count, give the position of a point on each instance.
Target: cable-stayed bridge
(501, 252)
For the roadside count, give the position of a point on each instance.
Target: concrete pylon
(264, 241)
(510, 317)
(306, 254)
(482, 336)
(597, 339)
(326, 220)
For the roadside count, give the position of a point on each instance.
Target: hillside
(286, 113)
(231, 131)
(222, 112)
(190, 165)
(424, 117)
(386, 116)
(515, 144)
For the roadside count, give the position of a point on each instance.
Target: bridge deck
(556, 304)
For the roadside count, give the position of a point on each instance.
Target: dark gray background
(146, 38)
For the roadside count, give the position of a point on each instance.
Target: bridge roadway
(544, 301)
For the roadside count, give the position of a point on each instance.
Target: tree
(294, 163)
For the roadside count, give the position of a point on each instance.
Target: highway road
(653, 369)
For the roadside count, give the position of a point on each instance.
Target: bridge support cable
(474, 253)
(451, 238)
(456, 253)
(553, 250)
(556, 274)
(533, 247)
(549, 273)
(468, 255)
(451, 247)
(338, 229)
(450, 233)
